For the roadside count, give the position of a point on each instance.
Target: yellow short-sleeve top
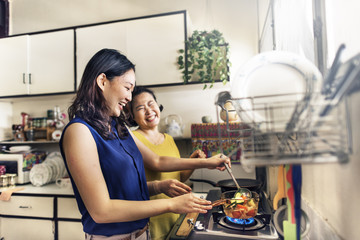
(161, 225)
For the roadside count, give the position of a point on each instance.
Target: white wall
(332, 189)
(236, 19)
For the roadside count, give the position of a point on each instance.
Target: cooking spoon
(243, 191)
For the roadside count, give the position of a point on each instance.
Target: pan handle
(204, 180)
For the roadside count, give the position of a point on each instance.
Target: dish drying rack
(306, 128)
(269, 138)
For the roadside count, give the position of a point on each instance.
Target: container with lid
(4, 181)
(11, 179)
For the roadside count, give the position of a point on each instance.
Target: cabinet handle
(25, 207)
(23, 78)
(29, 78)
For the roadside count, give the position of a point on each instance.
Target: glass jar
(43, 123)
(4, 181)
(11, 179)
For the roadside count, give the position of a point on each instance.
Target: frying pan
(228, 184)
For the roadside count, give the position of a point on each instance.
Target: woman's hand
(198, 154)
(189, 203)
(218, 161)
(172, 187)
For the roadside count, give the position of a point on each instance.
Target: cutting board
(185, 226)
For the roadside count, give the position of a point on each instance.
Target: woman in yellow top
(145, 113)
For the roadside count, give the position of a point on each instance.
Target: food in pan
(236, 205)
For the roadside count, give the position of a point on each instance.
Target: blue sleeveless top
(123, 169)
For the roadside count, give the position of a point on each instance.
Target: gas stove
(215, 225)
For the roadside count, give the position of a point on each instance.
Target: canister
(11, 179)
(3, 181)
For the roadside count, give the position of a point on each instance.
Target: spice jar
(3, 181)
(11, 179)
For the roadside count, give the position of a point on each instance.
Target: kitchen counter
(47, 212)
(49, 189)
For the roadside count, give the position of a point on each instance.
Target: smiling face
(117, 92)
(146, 111)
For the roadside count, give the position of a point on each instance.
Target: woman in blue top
(106, 163)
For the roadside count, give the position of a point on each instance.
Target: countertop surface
(48, 189)
(53, 189)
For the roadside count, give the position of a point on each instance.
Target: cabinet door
(70, 230)
(51, 62)
(28, 206)
(13, 66)
(89, 40)
(152, 45)
(68, 208)
(16, 228)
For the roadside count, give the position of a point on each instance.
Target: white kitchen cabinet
(13, 65)
(70, 230)
(67, 208)
(17, 228)
(151, 43)
(90, 40)
(37, 64)
(12, 227)
(47, 212)
(51, 62)
(28, 206)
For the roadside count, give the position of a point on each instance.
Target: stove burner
(247, 225)
(245, 222)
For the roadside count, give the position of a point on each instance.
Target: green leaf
(207, 57)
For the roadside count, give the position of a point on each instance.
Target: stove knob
(199, 226)
(190, 221)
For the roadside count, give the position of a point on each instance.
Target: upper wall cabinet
(37, 64)
(151, 43)
(13, 65)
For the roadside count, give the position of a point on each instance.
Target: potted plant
(205, 58)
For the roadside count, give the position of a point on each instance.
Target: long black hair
(137, 91)
(89, 103)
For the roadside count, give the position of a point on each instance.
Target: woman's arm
(184, 175)
(170, 187)
(83, 162)
(169, 164)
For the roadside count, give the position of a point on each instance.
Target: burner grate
(234, 223)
